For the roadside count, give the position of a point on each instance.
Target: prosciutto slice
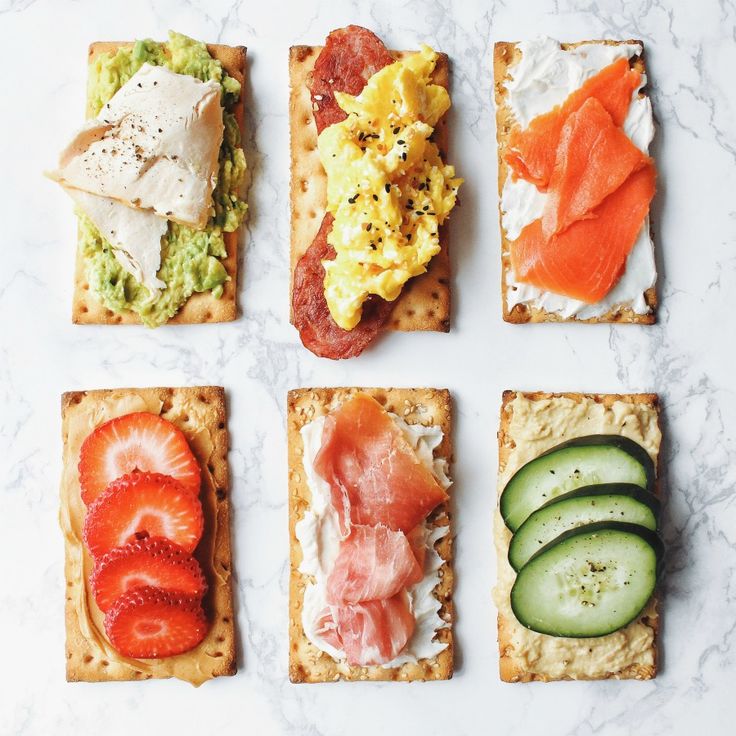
(374, 474)
(373, 562)
(371, 632)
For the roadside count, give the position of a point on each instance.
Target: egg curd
(387, 186)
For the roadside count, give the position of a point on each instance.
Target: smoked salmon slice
(372, 632)
(586, 260)
(532, 150)
(594, 158)
(373, 562)
(374, 474)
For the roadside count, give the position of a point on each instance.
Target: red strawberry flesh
(153, 562)
(141, 505)
(139, 441)
(150, 623)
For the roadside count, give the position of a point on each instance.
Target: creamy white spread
(319, 535)
(543, 78)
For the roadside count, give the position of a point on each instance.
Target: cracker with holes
(370, 191)
(576, 534)
(575, 181)
(145, 513)
(370, 595)
(157, 176)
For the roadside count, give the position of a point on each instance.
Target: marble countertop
(688, 358)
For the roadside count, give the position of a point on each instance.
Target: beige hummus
(536, 425)
(85, 629)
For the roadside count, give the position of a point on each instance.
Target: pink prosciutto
(373, 562)
(371, 632)
(374, 474)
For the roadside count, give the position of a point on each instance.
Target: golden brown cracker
(200, 413)
(511, 667)
(424, 303)
(505, 54)
(416, 406)
(201, 307)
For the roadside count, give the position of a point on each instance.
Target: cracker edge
(509, 670)
(425, 301)
(201, 307)
(504, 54)
(219, 599)
(306, 662)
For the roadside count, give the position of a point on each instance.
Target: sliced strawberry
(154, 561)
(139, 441)
(149, 623)
(140, 505)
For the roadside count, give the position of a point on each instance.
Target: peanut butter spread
(86, 637)
(536, 425)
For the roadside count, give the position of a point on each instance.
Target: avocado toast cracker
(139, 260)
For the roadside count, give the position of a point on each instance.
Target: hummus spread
(85, 621)
(534, 427)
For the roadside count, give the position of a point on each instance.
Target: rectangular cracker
(425, 406)
(424, 303)
(201, 307)
(505, 54)
(200, 413)
(513, 668)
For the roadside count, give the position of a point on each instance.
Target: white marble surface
(689, 358)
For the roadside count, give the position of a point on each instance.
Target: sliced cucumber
(588, 582)
(600, 458)
(606, 502)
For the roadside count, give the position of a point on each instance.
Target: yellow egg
(387, 186)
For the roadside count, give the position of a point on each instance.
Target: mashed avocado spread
(190, 259)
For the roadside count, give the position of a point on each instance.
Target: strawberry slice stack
(140, 482)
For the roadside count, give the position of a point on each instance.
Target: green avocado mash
(190, 259)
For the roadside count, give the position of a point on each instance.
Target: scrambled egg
(387, 187)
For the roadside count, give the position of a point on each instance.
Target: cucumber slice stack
(585, 545)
